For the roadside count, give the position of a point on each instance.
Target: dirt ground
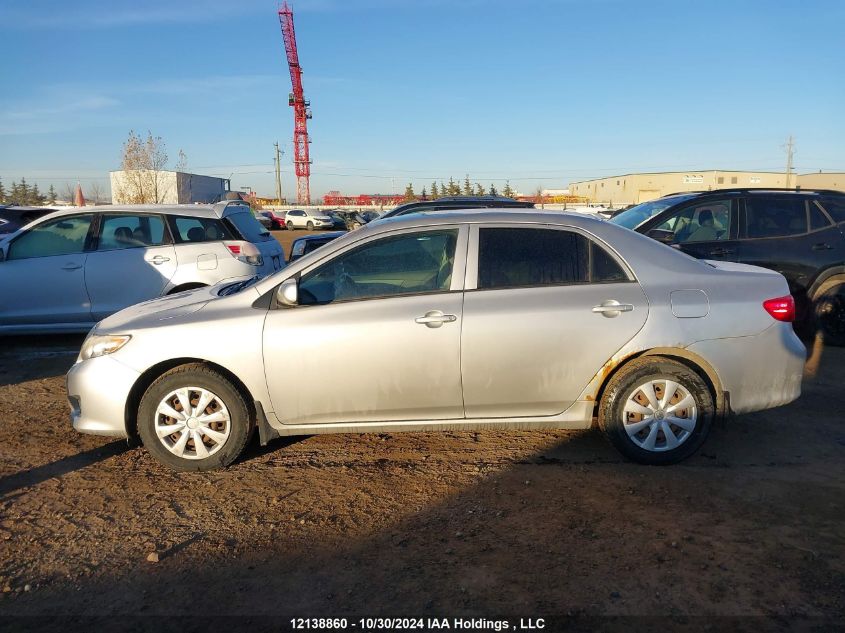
(514, 524)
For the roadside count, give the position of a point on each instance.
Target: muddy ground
(513, 524)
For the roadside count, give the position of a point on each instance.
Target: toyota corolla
(468, 320)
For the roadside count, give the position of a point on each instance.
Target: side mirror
(661, 235)
(288, 293)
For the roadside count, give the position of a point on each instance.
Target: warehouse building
(635, 188)
(165, 187)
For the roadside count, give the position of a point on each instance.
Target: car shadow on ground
(58, 468)
(24, 358)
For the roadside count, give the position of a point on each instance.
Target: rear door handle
(612, 308)
(71, 266)
(435, 318)
(159, 259)
(721, 251)
(822, 246)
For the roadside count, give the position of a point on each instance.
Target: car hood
(149, 313)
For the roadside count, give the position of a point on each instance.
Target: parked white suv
(69, 269)
(308, 219)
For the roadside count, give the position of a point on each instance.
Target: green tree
(51, 195)
(24, 193)
(433, 189)
(423, 195)
(443, 191)
(493, 191)
(409, 192)
(35, 195)
(507, 191)
(467, 186)
(454, 188)
(2, 192)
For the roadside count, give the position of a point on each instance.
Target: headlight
(100, 345)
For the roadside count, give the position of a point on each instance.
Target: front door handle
(822, 246)
(435, 318)
(612, 308)
(159, 259)
(71, 266)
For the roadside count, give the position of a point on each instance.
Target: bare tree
(142, 164)
(69, 192)
(181, 162)
(95, 192)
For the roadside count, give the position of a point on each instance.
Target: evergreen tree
(479, 190)
(493, 191)
(443, 191)
(507, 191)
(454, 188)
(409, 193)
(14, 193)
(423, 195)
(51, 195)
(2, 192)
(467, 186)
(35, 196)
(433, 189)
(24, 192)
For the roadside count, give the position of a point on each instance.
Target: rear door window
(775, 217)
(521, 257)
(131, 231)
(248, 226)
(196, 230)
(62, 236)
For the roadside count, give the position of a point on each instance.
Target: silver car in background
(71, 268)
(468, 320)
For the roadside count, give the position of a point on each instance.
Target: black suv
(800, 234)
(458, 202)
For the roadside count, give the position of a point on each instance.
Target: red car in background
(277, 219)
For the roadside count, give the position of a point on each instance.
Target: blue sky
(539, 92)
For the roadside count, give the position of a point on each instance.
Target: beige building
(165, 187)
(636, 188)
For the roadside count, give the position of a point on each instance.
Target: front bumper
(97, 391)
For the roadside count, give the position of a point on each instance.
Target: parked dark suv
(800, 234)
(457, 202)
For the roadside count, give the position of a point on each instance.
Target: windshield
(635, 216)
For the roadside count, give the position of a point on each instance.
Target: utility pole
(278, 173)
(790, 150)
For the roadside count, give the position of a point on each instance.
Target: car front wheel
(193, 418)
(310, 225)
(656, 411)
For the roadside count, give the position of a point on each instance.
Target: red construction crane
(301, 109)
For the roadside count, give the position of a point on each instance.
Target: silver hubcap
(659, 415)
(192, 423)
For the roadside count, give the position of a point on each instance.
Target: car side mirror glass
(661, 235)
(288, 293)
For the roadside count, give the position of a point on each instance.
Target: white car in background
(72, 268)
(307, 219)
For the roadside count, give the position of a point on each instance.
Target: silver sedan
(468, 320)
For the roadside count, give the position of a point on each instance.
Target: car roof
(754, 191)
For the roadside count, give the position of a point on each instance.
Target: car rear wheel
(193, 418)
(829, 313)
(310, 225)
(656, 411)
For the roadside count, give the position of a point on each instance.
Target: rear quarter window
(187, 230)
(835, 208)
(248, 226)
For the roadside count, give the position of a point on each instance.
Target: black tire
(290, 226)
(309, 225)
(625, 384)
(201, 376)
(829, 313)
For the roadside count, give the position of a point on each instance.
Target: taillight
(782, 308)
(245, 252)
